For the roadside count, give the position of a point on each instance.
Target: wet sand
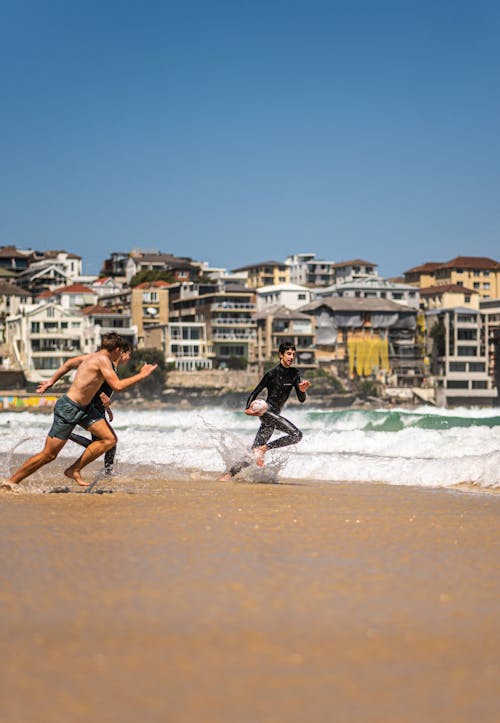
(245, 603)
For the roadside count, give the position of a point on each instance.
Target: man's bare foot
(259, 453)
(7, 486)
(74, 474)
(225, 477)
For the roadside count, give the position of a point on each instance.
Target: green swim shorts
(67, 414)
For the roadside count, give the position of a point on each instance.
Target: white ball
(259, 406)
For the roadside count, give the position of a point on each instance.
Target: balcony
(232, 336)
(223, 305)
(217, 321)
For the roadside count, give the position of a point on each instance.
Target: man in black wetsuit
(279, 382)
(102, 401)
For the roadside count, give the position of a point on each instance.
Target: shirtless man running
(75, 407)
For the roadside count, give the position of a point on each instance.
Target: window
(476, 367)
(479, 385)
(467, 299)
(467, 334)
(301, 297)
(466, 351)
(457, 384)
(457, 366)
(35, 327)
(477, 285)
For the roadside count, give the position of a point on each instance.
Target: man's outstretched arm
(64, 369)
(119, 385)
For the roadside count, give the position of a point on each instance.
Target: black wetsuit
(109, 456)
(279, 382)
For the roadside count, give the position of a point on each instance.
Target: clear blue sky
(238, 131)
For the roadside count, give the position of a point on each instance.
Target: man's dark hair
(112, 341)
(126, 346)
(285, 346)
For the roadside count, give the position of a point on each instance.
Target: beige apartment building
(266, 273)
(479, 273)
(149, 306)
(447, 296)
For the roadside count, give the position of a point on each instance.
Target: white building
(289, 295)
(184, 344)
(373, 287)
(307, 269)
(43, 336)
(352, 270)
(75, 296)
(457, 341)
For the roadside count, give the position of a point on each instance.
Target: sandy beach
(245, 603)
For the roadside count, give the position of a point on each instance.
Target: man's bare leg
(106, 440)
(259, 453)
(53, 446)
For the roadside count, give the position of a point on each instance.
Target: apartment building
(423, 275)
(116, 265)
(183, 343)
(307, 270)
(43, 336)
(13, 261)
(447, 296)
(265, 273)
(149, 306)
(352, 270)
(457, 345)
(479, 273)
(373, 287)
(12, 297)
(102, 320)
(289, 295)
(490, 313)
(75, 296)
(279, 323)
(385, 333)
(227, 312)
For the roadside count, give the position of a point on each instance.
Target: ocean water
(427, 447)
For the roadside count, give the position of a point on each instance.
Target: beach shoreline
(197, 600)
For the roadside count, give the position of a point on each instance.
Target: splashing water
(426, 446)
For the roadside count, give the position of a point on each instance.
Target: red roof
(159, 284)
(96, 309)
(429, 266)
(443, 288)
(72, 289)
(471, 262)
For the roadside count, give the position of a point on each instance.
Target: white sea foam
(425, 446)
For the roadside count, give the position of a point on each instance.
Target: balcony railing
(217, 321)
(231, 305)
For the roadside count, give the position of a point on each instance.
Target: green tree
(237, 362)
(152, 275)
(152, 386)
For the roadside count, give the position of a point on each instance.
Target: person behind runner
(75, 407)
(102, 401)
(279, 382)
